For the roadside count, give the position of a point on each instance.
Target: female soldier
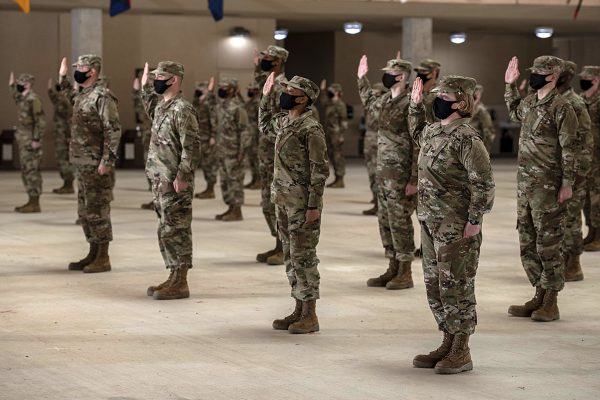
(455, 189)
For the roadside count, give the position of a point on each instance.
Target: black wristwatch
(474, 221)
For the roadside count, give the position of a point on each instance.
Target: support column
(86, 32)
(417, 39)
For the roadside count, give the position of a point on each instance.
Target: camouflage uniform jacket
(266, 140)
(455, 176)
(482, 122)
(584, 138)
(31, 115)
(63, 109)
(336, 115)
(207, 118)
(301, 165)
(141, 115)
(252, 110)
(547, 144)
(393, 126)
(95, 128)
(593, 106)
(233, 129)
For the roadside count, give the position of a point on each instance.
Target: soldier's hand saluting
(363, 67)
(145, 75)
(268, 88)
(323, 84)
(417, 91)
(211, 84)
(11, 79)
(64, 68)
(512, 72)
(136, 84)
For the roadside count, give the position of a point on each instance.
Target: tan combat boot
(150, 291)
(234, 215)
(91, 256)
(276, 259)
(458, 359)
(209, 193)
(429, 360)
(176, 289)
(387, 276)
(573, 270)
(308, 321)
(373, 210)
(263, 257)
(403, 280)
(32, 206)
(549, 309)
(219, 217)
(101, 263)
(148, 206)
(338, 183)
(594, 245)
(284, 324)
(529, 307)
(590, 235)
(67, 188)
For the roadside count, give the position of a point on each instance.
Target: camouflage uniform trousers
(335, 151)
(231, 172)
(94, 194)
(30, 164)
(573, 241)
(449, 268)
(252, 156)
(370, 150)
(174, 211)
(61, 150)
(209, 163)
(300, 251)
(541, 225)
(591, 207)
(395, 223)
(268, 207)
(146, 137)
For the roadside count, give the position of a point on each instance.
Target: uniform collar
(454, 124)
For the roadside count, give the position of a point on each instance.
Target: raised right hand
(145, 75)
(64, 68)
(512, 71)
(211, 84)
(136, 84)
(268, 88)
(11, 79)
(256, 57)
(417, 91)
(363, 67)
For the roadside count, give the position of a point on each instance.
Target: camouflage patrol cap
(253, 86)
(26, 78)
(547, 64)
(306, 85)
(398, 66)
(590, 70)
(456, 84)
(88, 60)
(428, 65)
(169, 68)
(336, 87)
(569, 67)
(230, 82)
(276, 51)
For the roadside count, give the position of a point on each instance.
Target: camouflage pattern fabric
(592, 201)
(251, 106)
(144, 124)
(94, 194)
(63, 112)
(482, 122)
(207, 124)
(336, 124)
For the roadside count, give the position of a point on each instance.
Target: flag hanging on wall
(24, 4)
(216, 9)
(119, 6)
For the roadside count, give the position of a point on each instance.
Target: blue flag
(119, 6)
(216, 9)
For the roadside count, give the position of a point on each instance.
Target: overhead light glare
(352, 28)
(458, 37)
(280, 34)
(544, 32)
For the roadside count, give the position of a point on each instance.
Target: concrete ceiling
(494, 16)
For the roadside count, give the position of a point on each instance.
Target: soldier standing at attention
(590, 85)
(301, 169)
(545, 177)
(63, 112)
(30, 130)
(172, 159)
(584, 143)
(456, 188)
(144, 127)
(336, 124)
(397, 157)
(429, 72)
(252, 103)
(482, 121)
(270, 60)
(233, 140)
(95, 136)
(207, 124)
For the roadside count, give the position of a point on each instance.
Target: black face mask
(266, 65)
(423, 77)
(586, 84)
(330, 94)
(442, 109)
(537, 81)
(198, 93)
(251, 94)
(161, 86)
(80, 76)
(287, 101)
(20, 88)
(57, 87)
(388, 80)
(223, 93)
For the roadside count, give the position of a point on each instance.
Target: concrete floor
(66, 335)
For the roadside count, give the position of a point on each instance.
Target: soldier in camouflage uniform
(482, 121)
(336, 125)
(143, 127)
(429, 72)
(590, 85)
(396, 171)
(63, 112)
(30, 130)
(252, 111)
(172, 160)
(584, 144)
(301, 169)
(456, 188)
(545, 178)
(95, 136)
(207, 123)
(270, 60)
(233, 141)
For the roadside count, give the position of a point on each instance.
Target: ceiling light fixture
(280, 34)
(352, 28)
(238, 36)
(458, 37)
(544, 32)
